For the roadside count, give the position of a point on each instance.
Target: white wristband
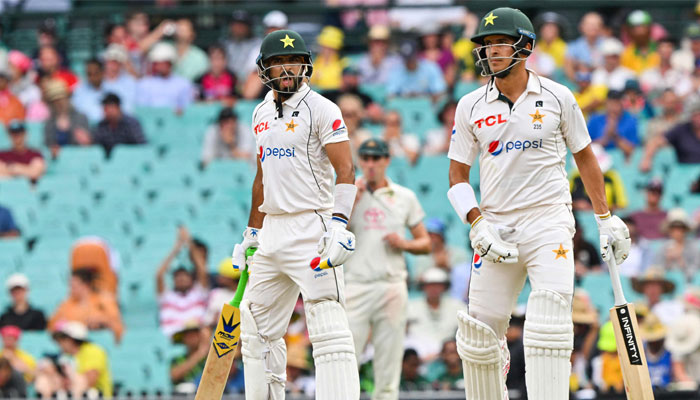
(463, 199)
(344, 199)
(602, 218)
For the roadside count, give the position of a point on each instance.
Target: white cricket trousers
(377, 313)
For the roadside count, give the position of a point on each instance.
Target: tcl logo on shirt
(491, 120)
(261, 127)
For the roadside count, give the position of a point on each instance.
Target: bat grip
(618, 294)
(243, 280)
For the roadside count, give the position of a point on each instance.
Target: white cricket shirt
(297, 174)
(389, 209)
(523, 149)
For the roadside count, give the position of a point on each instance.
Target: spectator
(89, 373)
(20, 160)
(415, 77)
(446, 372)
(683, 341)
(614, 188)
(188, 367)
(684, 58)
(192, 61)
(241, 46)
(8, 227)
(299, 380)
(431, 318)
(650, 219)
(590, 98)
(10, 106)
(616, 128)
(20, 360)
(116, 78)
(85, 304)
(378, 64)
(163, 88)
(95, 254)
(586, 256)
(443, 256)
(401, 144)
(411, 377)
(65, 126)
(611, 73)
(219, 83)
(653, 285)
(665, 76)
(88, 94)
(227, 139)
(515, 381)
(140, 38)
(22, 85)
(680, 250)
(438, 140)
(328, 66)
(640, 55)
(587, 48)
(585, 321)
(432, 50)
(20, 313)
(47, 37)
(350, 84)
(549, 40)
(635, 102)
(606, 371)
(640, 253)
(226, 284)
(353, 114)
(187, 300)
(50, 62)
(659, 359)
(684, 137)
(670, 107)
(116, 127)
(11, 383)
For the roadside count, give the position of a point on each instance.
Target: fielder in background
(375, 277)
(296, 216)
(522, 125)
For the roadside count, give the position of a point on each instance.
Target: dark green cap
(504, 21)
(283, 42)
(374, 147)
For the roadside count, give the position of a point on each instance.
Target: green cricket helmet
(509, 22)
(281, 43)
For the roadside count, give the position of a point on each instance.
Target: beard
(277, 85)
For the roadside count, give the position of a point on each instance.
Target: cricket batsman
(297, 215)
(376, 275)
(521, 124)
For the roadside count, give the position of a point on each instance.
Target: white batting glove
(250, 239)
(613, 232)
(337, 244)
(488, 243)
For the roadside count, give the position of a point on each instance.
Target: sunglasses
(373, 158)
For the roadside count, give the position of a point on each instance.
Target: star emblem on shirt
(290, 126)
(537, 117)
(287, 41)
(488, 20)
(560, 252)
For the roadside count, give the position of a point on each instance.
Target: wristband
(344, 199)
(602, 217)
(463, 199)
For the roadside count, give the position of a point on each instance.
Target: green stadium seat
(417, 114)
(56, 185)
(201, 114)
(16, 191)
(376, 92)
(244, 109)
(133, 158)
(78, 160)
(35, 134)
(38, 343)
(679, 279)
(691, 203)
(462, 88)
(600, 291)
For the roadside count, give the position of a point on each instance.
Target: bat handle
(618, 294)
(243, 280)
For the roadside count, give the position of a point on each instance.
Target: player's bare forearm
(459, 173)
(592, 178)
(256, 217)
(340, 157)
(420, 244)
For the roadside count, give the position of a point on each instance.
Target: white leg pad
(484, 359)
(264, 360)
(333, 351)
(549, 339)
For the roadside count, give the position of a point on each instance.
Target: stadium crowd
(638, 86)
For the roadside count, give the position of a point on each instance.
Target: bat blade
(630, 350)
(221, 354)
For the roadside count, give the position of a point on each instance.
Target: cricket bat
(630, 349)
(224, 344)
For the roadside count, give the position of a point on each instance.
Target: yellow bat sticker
(228, 330)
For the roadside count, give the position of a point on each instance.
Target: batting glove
(613, 232)
(337, 244)
(487, 242)
(250, 239)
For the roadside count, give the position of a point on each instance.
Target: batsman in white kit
(375, 276)
(296, 216)
(522, 125)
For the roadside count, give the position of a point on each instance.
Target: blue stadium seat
(244, 110)
(38, 343)
(16, 191)
(600, 291)
(83, 161)
(134, 158)
(376, 92)
(417, 114)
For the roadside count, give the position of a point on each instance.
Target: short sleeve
(92, 358)
(573, 124)
(415, 211)
(331, 126)
(463, 144)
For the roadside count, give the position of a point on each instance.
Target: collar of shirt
(385, 190)
(296, 98)
(533, 86)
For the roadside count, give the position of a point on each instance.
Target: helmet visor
(284, 77)
(496, 58)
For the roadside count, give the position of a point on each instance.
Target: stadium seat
(133, 158)
(376, 92)
(244, 110)
(38, 343)
(82, 161)
(599, 289)
(417, 114)
(16, 191)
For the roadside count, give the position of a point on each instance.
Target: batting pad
(334, 352)
(264, 361)
(482, 359)
(549, 339)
